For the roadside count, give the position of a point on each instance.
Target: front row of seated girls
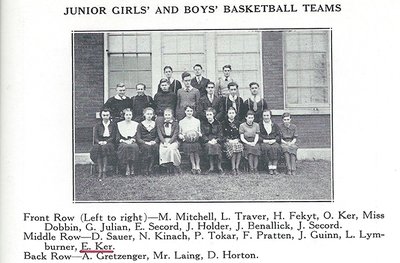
(158, 142)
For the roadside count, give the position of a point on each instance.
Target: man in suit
(199, 82)
(207, 101)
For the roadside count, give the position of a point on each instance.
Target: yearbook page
(176, 131)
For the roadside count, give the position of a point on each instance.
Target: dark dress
(144, 135)
(173, 87)
(201, 86)
(139, 103)
(261, 105)
(224, 106)
(204, 104)
(230, 131)
(270, 151)
(116, 106)
(163, 100)
(127, 152)
(287, 135)
(212, 131)
(107, 150)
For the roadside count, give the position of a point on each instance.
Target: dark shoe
(193, 171)
(275, 172)
(210, 171)
(271, 172)
(178, 170)
(198, 171)
(220, 171)
(294, 172)
(289, 172)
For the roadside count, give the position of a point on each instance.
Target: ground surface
(312, 182)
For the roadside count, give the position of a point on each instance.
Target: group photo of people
(202, 115)
(206, 122)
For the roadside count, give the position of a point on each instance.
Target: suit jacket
(200, 86)
(99, 131)
(161, 130)
(226, 103)
(205, 103)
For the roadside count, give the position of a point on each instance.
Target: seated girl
(212, 135)
(249, 134)
(147, 139)
(128, 150)
(168, 130)
(269, 141)
(103, 139)
(189, 133)
(233, 146)
(288, 143)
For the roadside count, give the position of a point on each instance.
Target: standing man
(222, 82)
(207, 101)
(174, 85)
(199, 82)
(256, 103)
(140, 102)
(187, 96)
(118, 103)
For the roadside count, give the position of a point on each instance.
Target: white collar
(232, 98)
(106, 124)
(119, 98)
(257, 98)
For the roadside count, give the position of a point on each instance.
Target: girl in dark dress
(103, 139)
(212, 136)
(147, 139)
(233, 146)
(269, 141)
(164, 98)
(128, 150)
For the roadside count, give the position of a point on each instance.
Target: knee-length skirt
(191, 147)
(248, 149)
(292, 149)
(170, 154)
(231, 148)
(127, 152)
(148, 151)
(101, 151)
(213, 149)
(271, 151)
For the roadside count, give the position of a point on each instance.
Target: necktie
(255, 104)
(234, 104)
(226, 79)
(198, 80)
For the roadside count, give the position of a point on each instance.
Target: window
(307, 69)
(241, 50)
(183, 50)
(129, 61)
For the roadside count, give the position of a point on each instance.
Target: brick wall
(272, 59)
(89, 82)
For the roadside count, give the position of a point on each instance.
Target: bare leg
(192, 160)
(293, 163)
(275, 165)
(197, 160)
(287, 159)
(251, 157)
(211, 163)
(255, 160)
(100, 166)
(104, 168)
(238, 157)
(128, 169)
(233, 161)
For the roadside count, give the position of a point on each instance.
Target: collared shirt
(119, 97)
(233, 99)
(288, 133)
(198, 79)
(210, 97)
(106, 132)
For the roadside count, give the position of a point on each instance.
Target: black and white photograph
(202, 115)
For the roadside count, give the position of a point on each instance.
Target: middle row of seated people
(187, 96)
(159, 141)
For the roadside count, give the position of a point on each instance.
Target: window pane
(183, 44)
(131, 79)
(144, 77)
(131, 61)
(319, 95)
(113, 79)
(115, 62)
(144, 61)
(130, 43)
(169, 44)
(197, 43)
(320, 42)
(292, 96)
(115, 43)
(143, 43)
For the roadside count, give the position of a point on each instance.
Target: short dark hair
(230, 84)
(197, 65)
(254, 83)
(285, 114)
(211, 109)
(268, 110)
(120, 85)
(188, 106)
(168, 67)
(227, 66)
(232, 108)
(250, 112)
(105, 110)
(148, 108)
(141, 84)
(212, 83)
(185, 74)
(164, 80)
